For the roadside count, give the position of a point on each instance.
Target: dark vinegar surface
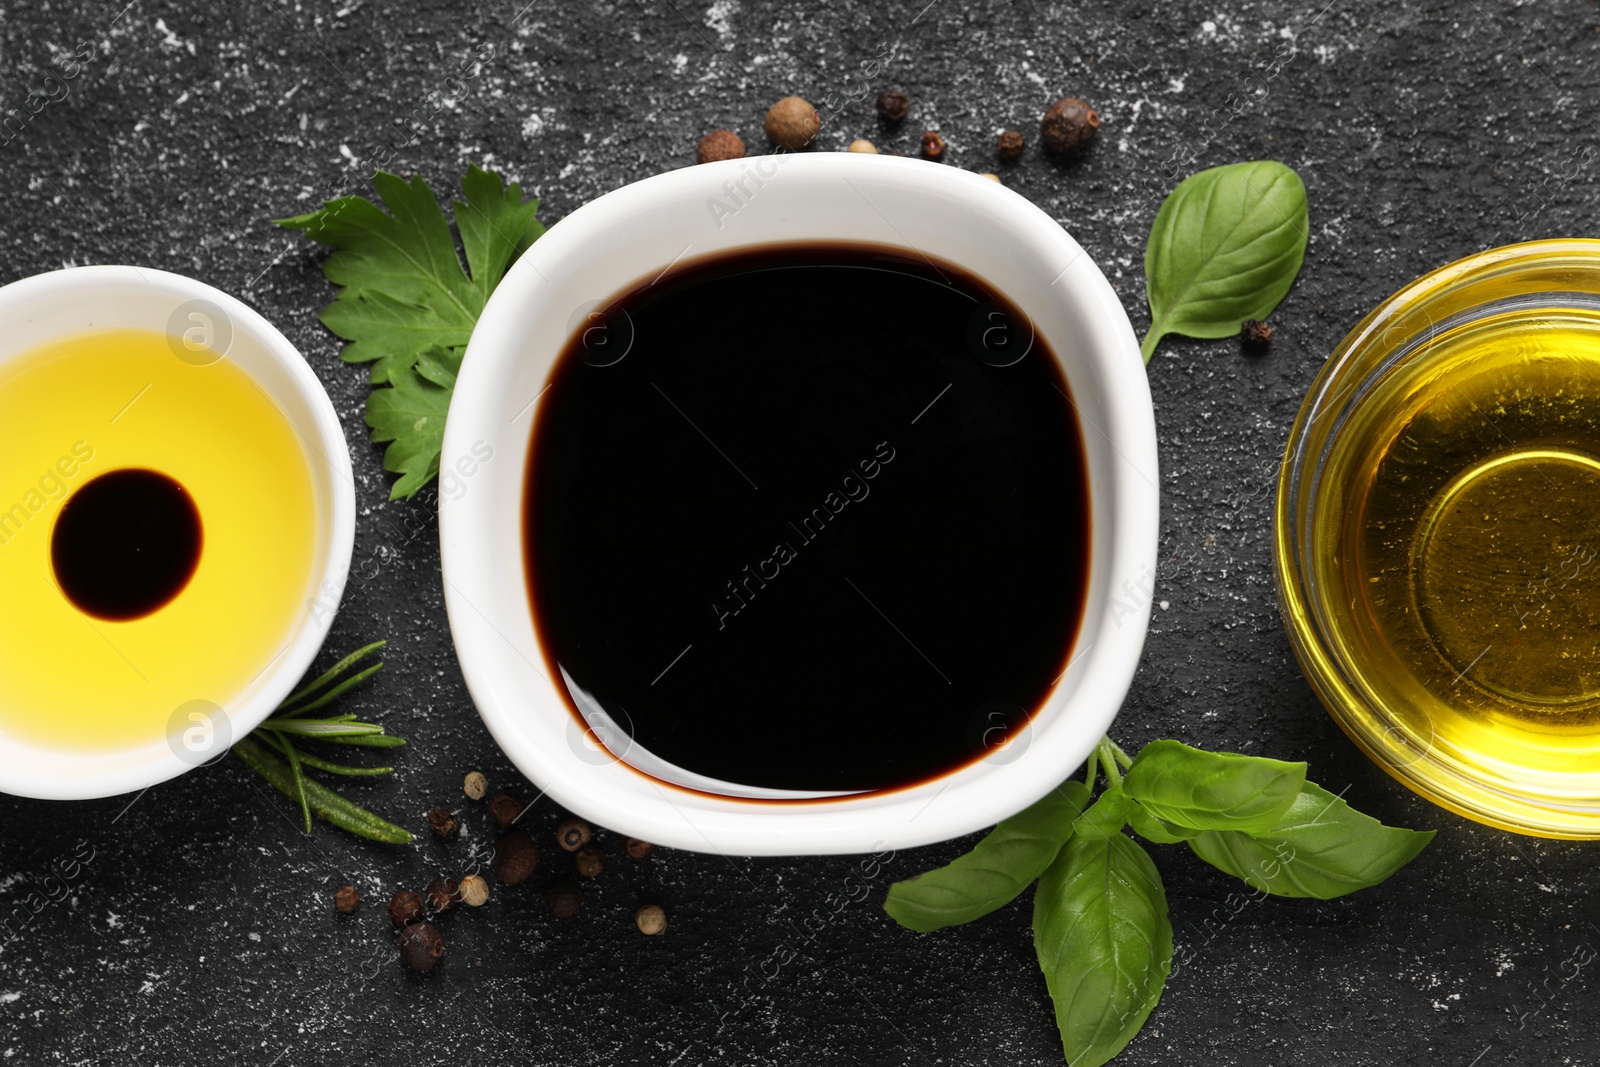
(809, 517)
(125, 544)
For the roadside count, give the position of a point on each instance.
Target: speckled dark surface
(201, 930)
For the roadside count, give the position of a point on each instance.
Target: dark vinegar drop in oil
(125, 544)
(809, 517)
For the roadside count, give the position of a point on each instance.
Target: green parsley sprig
(407, 305)
(1100, 925)
(273, 750)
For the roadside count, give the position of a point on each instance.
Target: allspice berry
(1069, 125)
(474, 891)
(651, 919)
(505, 809)
(475, 785)
(893, 105)
(590, 861)
(405, 907)
(1009, 145)
(719, 144)
(442, 821)
(932, 146)
(347, 898)
(792, 123)
(442, 894)
(564, 899)
(862, 145)
(421, 946)
(1256, 334)
(515, 857)
(635, 849)
(573, 834)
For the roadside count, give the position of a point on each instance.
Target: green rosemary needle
(271, 752)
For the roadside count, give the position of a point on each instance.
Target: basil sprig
(1100, 925)
(998, 868)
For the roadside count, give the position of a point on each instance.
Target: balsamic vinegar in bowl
(808, 517)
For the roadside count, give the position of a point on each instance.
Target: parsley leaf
(406, 305)
(410, 416)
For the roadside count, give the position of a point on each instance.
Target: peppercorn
(442, 894)
(474, 891)
(515, 857)
(347, 898)
(405, 907)
(590, 861)
(505, 809)
(719, 144)
(475, 785)
(933, 146)
(636, 849)
(573, 834)
(892, 105)
(564, 899)
(442, 821)
(1256, 334)
(1068, 125)
(862, 145)
(421, 946)
(792, 123)
(1009, 145)
(650, 919)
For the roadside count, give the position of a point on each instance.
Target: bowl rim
(60, 775)
(861, 822)
(1406, 309)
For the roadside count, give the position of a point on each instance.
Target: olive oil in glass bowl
(1438, 537)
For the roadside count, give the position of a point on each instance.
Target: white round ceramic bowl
(47, 307)
(637, 233)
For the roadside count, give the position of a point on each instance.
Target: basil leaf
(998, 868)
(1212, 790)
(1153, 829)
(1225, 247)
(1105, 816)
(1320, 848)
(1104, 942)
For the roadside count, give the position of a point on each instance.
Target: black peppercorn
(590, 861)
(515, 857)
(347, 898)
(893, 105)
(442, 894)
(636, 849)
(1256, 334)
(1009, 145)
(442, 821)
(405, 907)
(421, 946)
(1069, 125)
(932, 146)
(564, 899)
(505, 809)
(573, 834)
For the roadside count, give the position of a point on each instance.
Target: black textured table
(201, 930)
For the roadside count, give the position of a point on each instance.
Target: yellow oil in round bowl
(1438, 537)
(80, 416)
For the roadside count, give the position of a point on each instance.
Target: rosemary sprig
(271, 752)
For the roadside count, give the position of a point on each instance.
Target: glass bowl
(1437, 547)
